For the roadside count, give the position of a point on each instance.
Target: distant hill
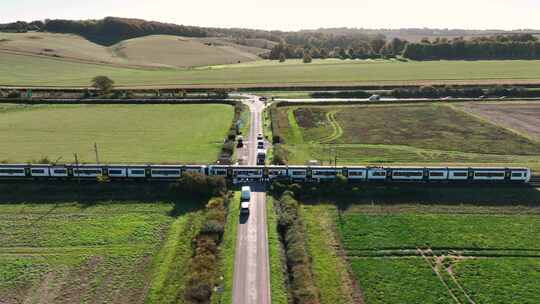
(223, 45)
(154, 51)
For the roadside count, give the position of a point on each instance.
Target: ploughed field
(400, 134)
(417, 246)
(123, 133)
(523, 117)
(70, 245)
(25, 70)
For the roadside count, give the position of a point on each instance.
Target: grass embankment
(278, 278)
(18, 70)
(435, 244)
(405, 134)
(123, 133)
(96, 243)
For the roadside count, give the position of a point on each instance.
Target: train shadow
(88, 194)
(488, 196)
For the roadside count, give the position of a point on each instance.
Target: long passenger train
(268, 173)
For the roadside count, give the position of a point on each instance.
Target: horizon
(458, 15)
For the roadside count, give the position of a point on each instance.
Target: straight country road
(251, 282)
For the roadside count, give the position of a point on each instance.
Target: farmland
(123, 133)
(420, 133)
(24, 70)
(523, 117)
(402, 246)
(145, 52)
(100, 245)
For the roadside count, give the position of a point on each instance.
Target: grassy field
(123, 133)
(148, 52)
(402, 248)
(100, 245)
(22, 70)
(406, 134)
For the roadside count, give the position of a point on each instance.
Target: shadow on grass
(393, 195)
(90, 193)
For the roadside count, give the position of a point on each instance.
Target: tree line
(523, 46)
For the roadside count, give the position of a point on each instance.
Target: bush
(202, 270)
(293, 236)
(201, 185)
(280, 156)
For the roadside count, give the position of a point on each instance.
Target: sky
(291, 14)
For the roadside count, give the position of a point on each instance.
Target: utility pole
(77, 171)
(97, 153)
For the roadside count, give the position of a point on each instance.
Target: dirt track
(521, 117)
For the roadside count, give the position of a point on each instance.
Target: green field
(94, 249)
(22, 70)
(420, 133)
(155, 51)
(123, 133)
(415, 248)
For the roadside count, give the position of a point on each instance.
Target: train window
(489, 174)
(460, 174)
(379, 173)
(11, 171)
(166, 172)
(517, 174)
(356, 173)
(87, 172)
(38, 171)
(59, 171)
(436, 173)
(299, 173)
(115, 171)
(407, 173)
(137, 171)
(324, 173)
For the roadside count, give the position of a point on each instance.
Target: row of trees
(366, 48)
(497, 47)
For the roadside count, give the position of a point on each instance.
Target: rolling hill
(157, 51)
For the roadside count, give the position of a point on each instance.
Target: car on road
(260, 144)
(263, 99)
(260, 136)
(240, 142)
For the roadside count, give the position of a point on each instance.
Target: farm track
(337, 131)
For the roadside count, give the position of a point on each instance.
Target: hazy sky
(292, 14)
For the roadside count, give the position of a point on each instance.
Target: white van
(245, 197)
(246, 194)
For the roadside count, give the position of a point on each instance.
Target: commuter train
(237, 173)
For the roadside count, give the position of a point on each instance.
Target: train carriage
(247, 172)
(16, 170)
(488, 174)
(166, 171)
(355, 174)
(324, 173)
(298, 173)
(377, 173)
(407, 174)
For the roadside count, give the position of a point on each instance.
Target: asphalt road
(251, 282)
